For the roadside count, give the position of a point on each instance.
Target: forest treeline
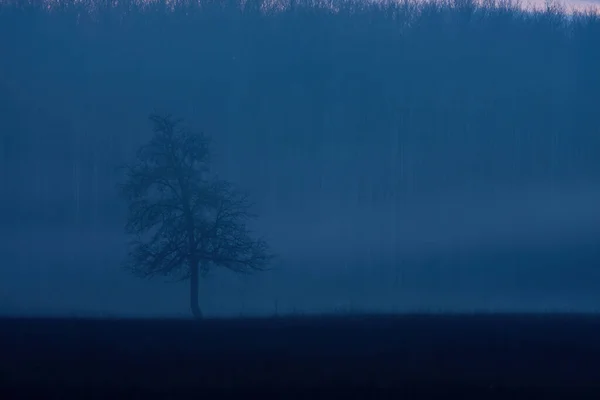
(308, 101)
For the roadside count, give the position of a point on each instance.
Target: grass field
(496, 356)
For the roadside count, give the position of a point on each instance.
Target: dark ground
(488, 356)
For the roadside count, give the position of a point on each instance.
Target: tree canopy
(182, 217)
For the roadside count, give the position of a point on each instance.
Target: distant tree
(183, 219)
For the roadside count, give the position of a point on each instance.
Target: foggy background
(403, 157)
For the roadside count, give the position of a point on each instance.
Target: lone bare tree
(183, 219)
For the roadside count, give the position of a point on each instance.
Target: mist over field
(418, 156)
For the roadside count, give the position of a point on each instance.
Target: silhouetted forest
(343, 102)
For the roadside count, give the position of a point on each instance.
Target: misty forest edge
(553, 131)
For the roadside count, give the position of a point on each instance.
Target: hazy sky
(577, 4)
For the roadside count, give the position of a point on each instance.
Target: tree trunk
(194, 284)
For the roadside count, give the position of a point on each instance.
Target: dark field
(496, 356)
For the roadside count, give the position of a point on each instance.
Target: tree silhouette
(183, 219)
